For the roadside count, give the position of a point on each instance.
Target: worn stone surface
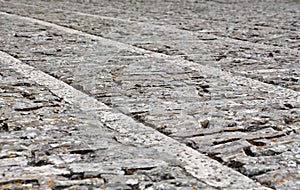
(167, 73)
(57, 146)
(135, 136)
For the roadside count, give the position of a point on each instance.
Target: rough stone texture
(167, 74)
(129, 133)
(55, 145)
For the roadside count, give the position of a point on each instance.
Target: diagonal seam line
(283, 93)
(198, 165)
(229, 39)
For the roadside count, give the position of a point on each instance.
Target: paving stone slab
(196, 164)
(62, 142)
(230, 48)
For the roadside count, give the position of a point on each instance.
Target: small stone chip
(205, 123)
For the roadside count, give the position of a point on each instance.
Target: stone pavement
(221, 77)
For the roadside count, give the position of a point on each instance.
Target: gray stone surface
(57, 145)
(134, 136)
(219, 76)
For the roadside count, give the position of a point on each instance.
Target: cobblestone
(225, 84)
